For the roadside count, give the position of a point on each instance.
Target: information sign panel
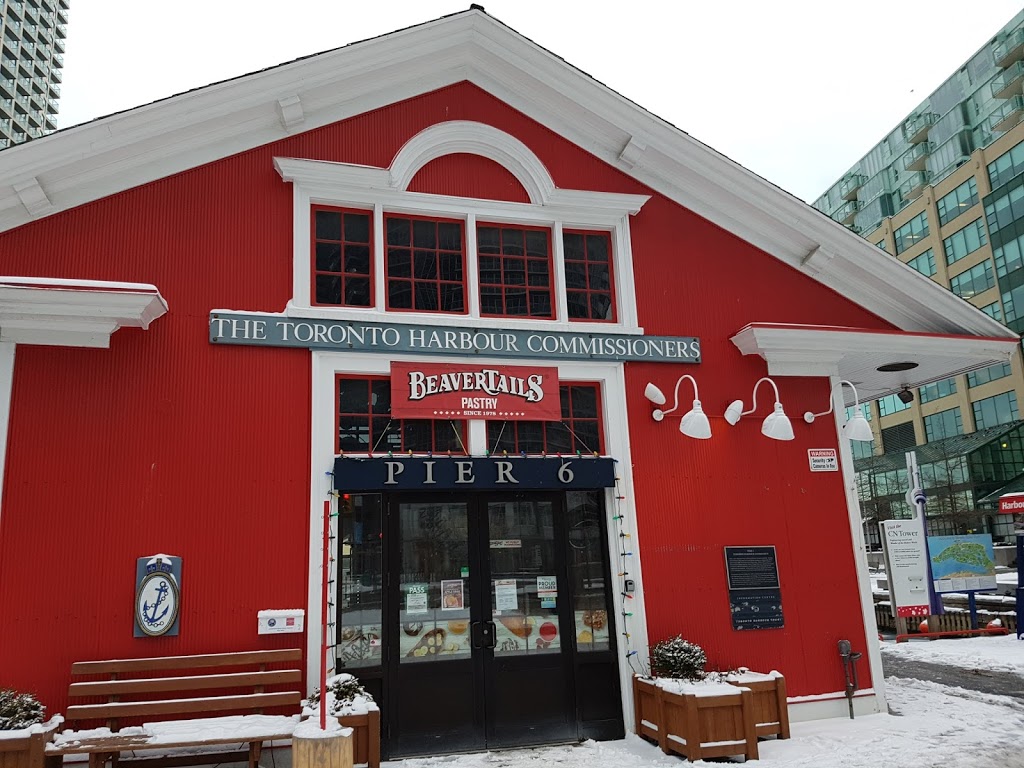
(755, 595)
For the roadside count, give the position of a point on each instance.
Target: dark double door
(485, 627)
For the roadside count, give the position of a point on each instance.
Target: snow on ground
(1002, 653)
(932, 726)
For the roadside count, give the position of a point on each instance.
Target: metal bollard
(850, 660)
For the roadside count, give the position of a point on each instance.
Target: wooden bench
(133, 693)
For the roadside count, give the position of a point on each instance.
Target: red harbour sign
(496, 392)
(1011, 504)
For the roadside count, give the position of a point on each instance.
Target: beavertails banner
(499, 392)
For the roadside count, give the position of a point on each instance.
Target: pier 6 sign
(270, 330)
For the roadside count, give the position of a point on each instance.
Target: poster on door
(452, 595)
(506, 597)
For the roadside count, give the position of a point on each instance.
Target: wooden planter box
(365, 737)
(28, 751)
(696, 726)
(771, 713)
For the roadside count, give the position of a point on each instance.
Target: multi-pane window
(515, 271)
(975, 280)
(588, 275)
(365, 424)
(992, 411)
(993, 310)
(424, 265)
(891, 404)
(912, 232)
(959, 200)
(1006, 166)
(1009, 256)
(579, 430)
(991, 373)
(1003, 209)
(861, 449)
(342, 262)
(937, 389)
(881, 244)
(864, 409)
(943, 424)
(925, 263)
(965, 241)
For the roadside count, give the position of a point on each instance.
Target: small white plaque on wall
(823, 459)
(281, 621)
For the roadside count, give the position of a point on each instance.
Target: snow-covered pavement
(932, 726)
(1000, 654)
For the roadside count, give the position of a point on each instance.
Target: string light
(624, 536)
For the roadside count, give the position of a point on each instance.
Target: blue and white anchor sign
(157, 595)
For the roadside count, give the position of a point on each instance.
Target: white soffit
(115, 153)
(73, 313)
(856, 355)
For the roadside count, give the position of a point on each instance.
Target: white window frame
(385, 190)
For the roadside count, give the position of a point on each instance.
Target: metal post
(323, 613)
(1020, 584)
(972, 604)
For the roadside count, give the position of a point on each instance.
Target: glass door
(434, 695)
(527, 665)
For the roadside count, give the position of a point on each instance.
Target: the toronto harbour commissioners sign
(272, 330)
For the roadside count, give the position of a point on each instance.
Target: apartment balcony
(850, 184)
(1008, 83)
(62, 15)
(7, 85)
(915, 128)
(15, 8)
(917, 158)
(54, 91)
(1010, 50)
(58, 45)
(56, 76)
(1008, 114)
(8, 63)
(61, 30)
(5, 143)
(58, 60)
(846, 212)
(915, 184)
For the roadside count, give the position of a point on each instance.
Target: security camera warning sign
(823, 459)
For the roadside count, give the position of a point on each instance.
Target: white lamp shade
(857, 428)
(695, 423)
(654, 394)
(776, 425)
(734, 411)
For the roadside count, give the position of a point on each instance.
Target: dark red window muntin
(589, 276)
(342, 258)
(425, 264)
(516, 272)
(581, 428)
(363, 422)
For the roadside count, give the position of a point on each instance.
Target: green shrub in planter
(678, 658)
(19, 710)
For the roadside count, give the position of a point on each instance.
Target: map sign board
(906, 555)
(962, 563)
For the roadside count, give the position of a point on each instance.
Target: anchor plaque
(157, 595)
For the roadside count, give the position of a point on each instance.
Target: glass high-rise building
(943, 192)
(32, 34)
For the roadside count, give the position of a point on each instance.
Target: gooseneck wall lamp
(857, 427)
(775, 425)
(694, 423)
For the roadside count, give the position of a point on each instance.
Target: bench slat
(115, 743)
(185, 662)
(182, 706)
(192, 683)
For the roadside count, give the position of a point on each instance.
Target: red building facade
(179, 439)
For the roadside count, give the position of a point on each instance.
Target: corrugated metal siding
(463, 175)
(165, 442)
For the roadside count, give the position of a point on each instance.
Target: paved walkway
(975, 679)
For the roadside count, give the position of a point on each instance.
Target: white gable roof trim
(112, 154)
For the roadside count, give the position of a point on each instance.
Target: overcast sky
(795, 90)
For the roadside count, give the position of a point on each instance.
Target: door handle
(475, 634)
(492, 633)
